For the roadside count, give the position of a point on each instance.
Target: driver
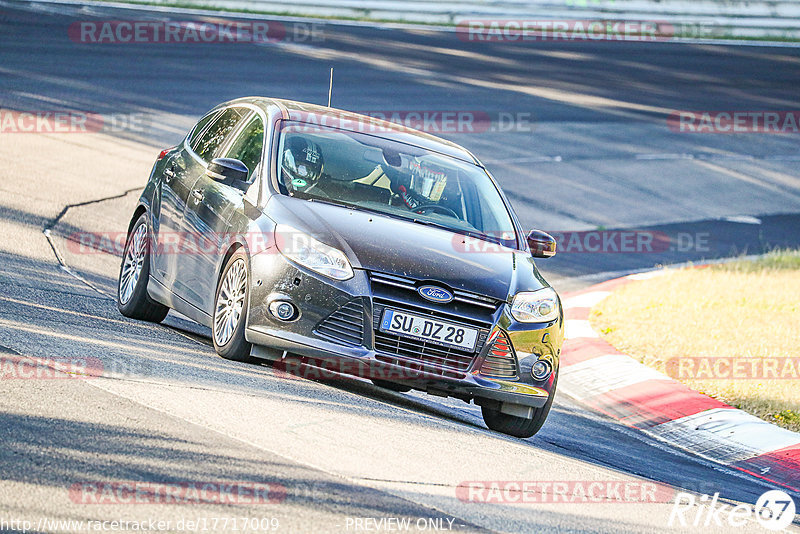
(302, 162)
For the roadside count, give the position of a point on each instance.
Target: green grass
(774, 261)
(743, 309)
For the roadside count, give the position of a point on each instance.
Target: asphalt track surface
(599, 155)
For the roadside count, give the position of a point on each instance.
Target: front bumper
(317, 298)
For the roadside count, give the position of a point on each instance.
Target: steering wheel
(444, 209)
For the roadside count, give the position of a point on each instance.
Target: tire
(230, 310)
(385, 384)
(518, 427)
(132, 298)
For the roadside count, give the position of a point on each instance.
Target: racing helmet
(302, 163)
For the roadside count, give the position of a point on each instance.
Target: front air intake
(345, 325)
(500, 361)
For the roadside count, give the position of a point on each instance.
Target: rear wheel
(230, 310)
(519, 427)
(132, 298)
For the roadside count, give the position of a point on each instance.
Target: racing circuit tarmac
(594, 151)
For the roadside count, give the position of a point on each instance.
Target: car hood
(379, 243)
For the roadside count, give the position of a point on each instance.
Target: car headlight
(303, 249)
(539, 306)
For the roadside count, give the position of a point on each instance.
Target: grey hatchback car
(301, 233)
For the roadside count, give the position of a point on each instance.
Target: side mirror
(542, 244)
(229, 171)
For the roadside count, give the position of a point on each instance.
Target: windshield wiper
(337, 203)
(459, 231)
(359, 208)
(424, 222)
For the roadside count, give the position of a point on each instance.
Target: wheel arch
(138, 212)
(236, 245)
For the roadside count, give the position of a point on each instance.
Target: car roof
(351, 121)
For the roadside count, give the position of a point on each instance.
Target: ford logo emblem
(435, 294)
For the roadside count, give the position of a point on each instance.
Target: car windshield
(396, 179)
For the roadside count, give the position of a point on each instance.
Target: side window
(248, 145)
(200, 127)
(208, 143)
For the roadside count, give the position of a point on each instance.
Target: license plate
(428, 329)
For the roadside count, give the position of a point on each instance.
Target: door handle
(198, 194)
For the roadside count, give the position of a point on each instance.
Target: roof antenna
(330, 88)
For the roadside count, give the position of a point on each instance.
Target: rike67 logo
(774, 510)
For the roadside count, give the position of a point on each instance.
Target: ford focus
(300, 231)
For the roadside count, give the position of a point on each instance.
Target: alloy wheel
(230, 302)
(132, 266)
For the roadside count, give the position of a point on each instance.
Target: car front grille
(345, 325)
(409, 284)
(423, 355)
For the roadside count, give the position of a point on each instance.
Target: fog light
(541, 369)
(282, 310)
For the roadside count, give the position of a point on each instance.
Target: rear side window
(200, 127)
(213, 137)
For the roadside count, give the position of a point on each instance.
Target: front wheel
(230, 310)
(518, 427)
(132, 298)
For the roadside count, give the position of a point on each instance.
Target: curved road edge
(599, 376)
